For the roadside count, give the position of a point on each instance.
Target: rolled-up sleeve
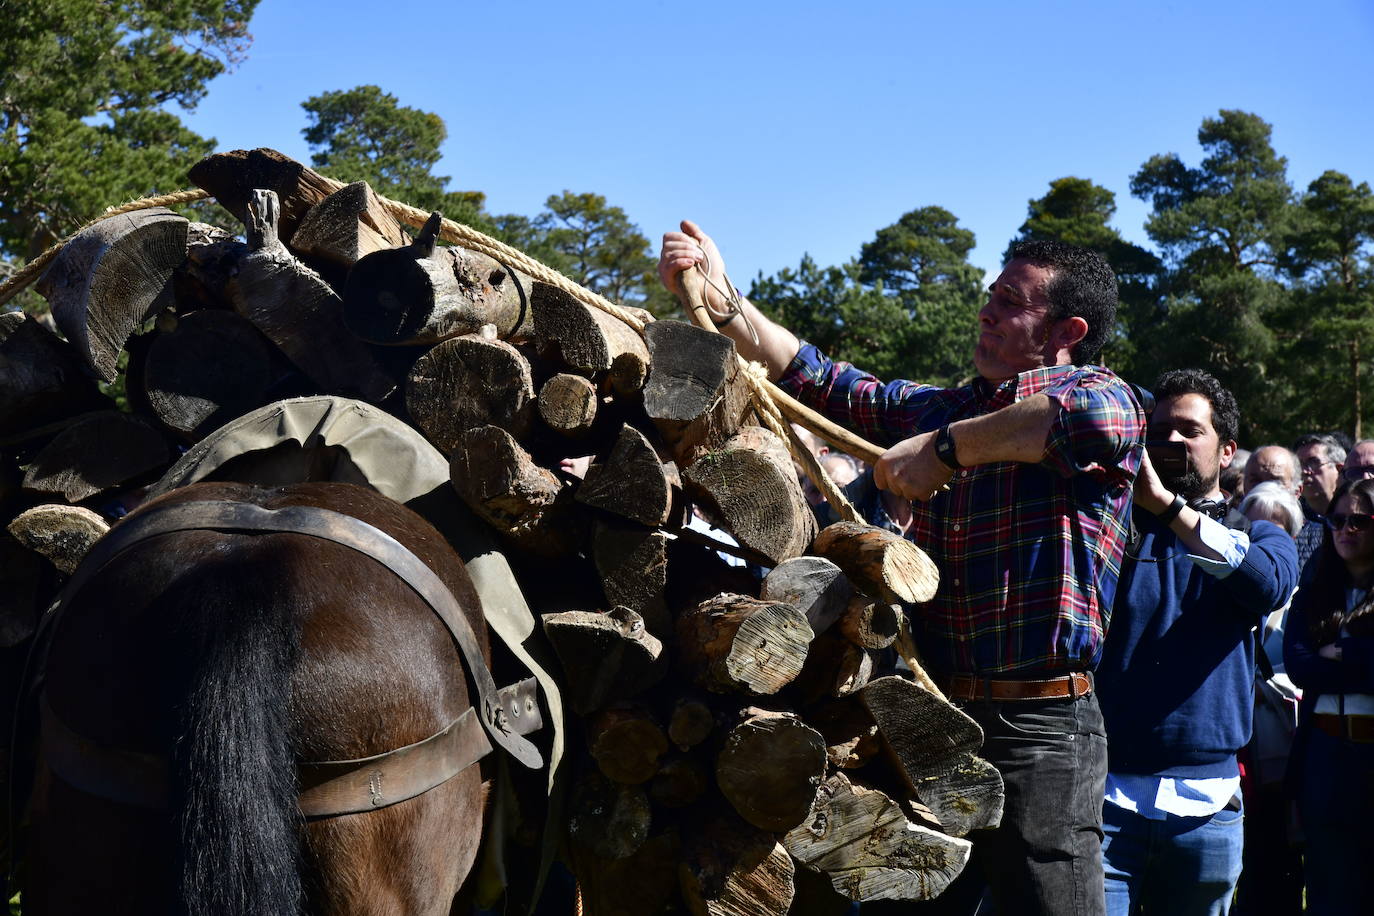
(1100, 428)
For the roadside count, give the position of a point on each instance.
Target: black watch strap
(944, 449)
(1171, 513)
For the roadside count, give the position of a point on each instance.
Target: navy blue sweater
(1177, 676)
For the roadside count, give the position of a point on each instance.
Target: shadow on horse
(188, 677)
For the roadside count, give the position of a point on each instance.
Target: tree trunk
(695, 394)
(470, 382)
(604, 656)
(769, 767)
(850, 734)
(732, 643)
(879, 563)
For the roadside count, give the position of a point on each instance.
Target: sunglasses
(1355, 521)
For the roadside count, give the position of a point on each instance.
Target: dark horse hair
(1325, 601)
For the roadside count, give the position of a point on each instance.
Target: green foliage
(596, 245)
(82, 124)
(365, 134)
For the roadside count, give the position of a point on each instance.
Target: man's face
(1359, 464)
(1270, 463)
(1187, 418)
(1319, 475)
(1014, 324)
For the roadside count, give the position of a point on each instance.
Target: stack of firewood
(746, 743)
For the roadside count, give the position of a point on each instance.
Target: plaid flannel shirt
(1028, 554)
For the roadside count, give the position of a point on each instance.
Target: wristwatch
(1171, 513)
(944, 449)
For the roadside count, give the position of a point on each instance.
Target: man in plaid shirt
(1037, 457)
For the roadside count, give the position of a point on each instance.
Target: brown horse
(231, 657)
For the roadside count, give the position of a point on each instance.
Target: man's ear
(1228, 451)
(1069, 332)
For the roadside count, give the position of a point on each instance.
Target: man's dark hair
(1332, 450)
(1225, 413)
(1082, 286)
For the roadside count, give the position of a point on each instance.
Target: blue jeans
(1183, 866)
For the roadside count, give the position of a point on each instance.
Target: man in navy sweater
(1176, 680)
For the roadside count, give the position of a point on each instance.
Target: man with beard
(1177, 675)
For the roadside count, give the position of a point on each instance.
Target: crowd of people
(1168, 641)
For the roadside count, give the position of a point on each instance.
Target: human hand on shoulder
(911, 469)
(683, 249)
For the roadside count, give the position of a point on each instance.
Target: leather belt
(1356, 728)
(970, 687)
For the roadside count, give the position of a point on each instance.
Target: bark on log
(870, 624)
(232, 177)
(610, 819)
(633, 565)
(751, 486)
(469, 382)
(926, 735)
(568, 404)
(42, 377)
(604, 656)
(626, 743)
(732, 643)
(729, 869)
(695, 394)
(299, 312)
(834, 667)
(679, 782)
(871, 851)
(879, 563)
(97, 453)
(110, 278)
(212, 367)
(769, 768)
(814, 585)
(631, 482)
(968, 797)
(346, 226)
(586, 339)
(63, 534)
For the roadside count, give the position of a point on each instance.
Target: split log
(834, 667)
(769, 768)
(42, 377)
(879, 563)
(609, 818)
(98, 452)
(633, 565)
(421, 293)
(646, 881)
(63, 534)
(968, 797)
(527, 504)
(870, 850)
(870, 624)
(586, 339)
(568, 404)
(232, 177)
(347, 226)
(695, 394)
(631, 482)
(850, 734)
(926, 735)
(691, 722)
(626, 743)
(110, 278)
(729, 869)
(751, 486)
(732, 643)
(679, 782)
(299, 312)
(604, 656)
(468, 382)
(213, 257)
(211, 367)
(814, 585)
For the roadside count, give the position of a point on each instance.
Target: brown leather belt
(970, 687)
(1359, 729)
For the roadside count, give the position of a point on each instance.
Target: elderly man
(1321, 458)
(1273, 463)
(1039, 454)
(1359, 464)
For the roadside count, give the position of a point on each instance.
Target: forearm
(776, 346)
(1014, 433)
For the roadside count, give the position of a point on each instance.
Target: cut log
(527, 504)
(870, 850)
(851, 736)
(879, 563)
(609, 818)
(691, 722)
(63, 534)
(750, 485)
(421, 293)
(769, 768)
(696, 574)
(646, 881)
(586, 339)
(42, 377)
(926, 735)
(814, 585)
(834, 667)
(232, 178)
(604, 656)
(631, 482)
(870, 624)
(212, 367)
(729, 869)
(346, 226)
(568, 404)
(733, 643)
(626, 743)
(97, 453)
(679, 782)
(968, 797)
(633, 564)
(695, 394)
(110, 278)
(468, 382)
(213, 257)
(299, 312)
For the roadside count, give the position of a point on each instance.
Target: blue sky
(785, 128)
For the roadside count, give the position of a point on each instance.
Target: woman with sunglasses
(1329, 652)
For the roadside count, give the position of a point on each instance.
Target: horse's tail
(234, 786)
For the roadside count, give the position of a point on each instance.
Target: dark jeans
(1336, 805)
